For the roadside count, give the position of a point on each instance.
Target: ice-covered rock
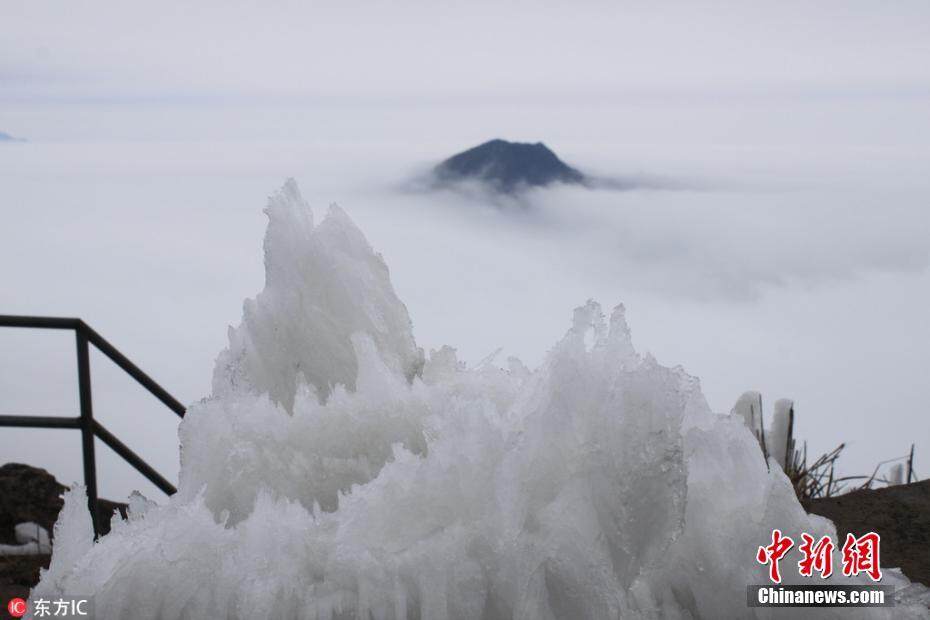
(598, 485)
(31, 539)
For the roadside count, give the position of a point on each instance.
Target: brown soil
(899, 514)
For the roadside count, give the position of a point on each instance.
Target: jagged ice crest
(338, 472)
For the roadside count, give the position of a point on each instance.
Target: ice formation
(779, 435)
(897, 474)
(776, 442)
(331, 285)
(332, 474)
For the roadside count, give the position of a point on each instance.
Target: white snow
(31, 538)
(330, 476)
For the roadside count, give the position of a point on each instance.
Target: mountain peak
(507, 166)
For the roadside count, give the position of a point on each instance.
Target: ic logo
(16, 607)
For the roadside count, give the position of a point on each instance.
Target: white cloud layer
(792, 257)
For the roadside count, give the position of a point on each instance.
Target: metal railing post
(90, 428)
(87, 426)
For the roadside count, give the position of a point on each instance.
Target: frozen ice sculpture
(335, 474)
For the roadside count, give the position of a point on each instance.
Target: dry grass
(818, 479)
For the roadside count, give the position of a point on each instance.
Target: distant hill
(5, 137)
(507, 167)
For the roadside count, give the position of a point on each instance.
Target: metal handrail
(89, 427)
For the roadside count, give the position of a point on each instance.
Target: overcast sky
(791, 257)
(304, 51)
